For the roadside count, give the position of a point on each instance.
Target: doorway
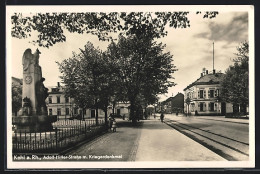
(118, 112)
(201, 106)
(223, 108)
(93, 113)
(211, 106)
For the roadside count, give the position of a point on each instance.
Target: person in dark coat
(162, 117)
(114, 126)
(110, 122)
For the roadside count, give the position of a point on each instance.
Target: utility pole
(213, 55)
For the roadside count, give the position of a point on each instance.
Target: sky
(192, 48)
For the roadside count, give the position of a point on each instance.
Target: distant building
(65, 107)
(17, 82)
(204, 96)
(121, 108)
(174, 104)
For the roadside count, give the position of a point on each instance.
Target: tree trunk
(83, 117)
(133, 115)
(113, 110)
(235, 108)
(243, 108)
(96, 112)
(106, 122)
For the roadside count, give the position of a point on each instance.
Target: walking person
(114, 126)
(162, 117)
(110, 122)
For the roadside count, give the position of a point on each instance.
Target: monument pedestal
(34, 123)
(33, 116)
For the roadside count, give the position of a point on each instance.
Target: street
(179, 138)
(226, 137)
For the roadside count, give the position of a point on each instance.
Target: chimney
(58, 84)
(207, 71)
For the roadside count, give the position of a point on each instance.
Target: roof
(171, 98)
(20, 81)
(207, 79)
(55, 90)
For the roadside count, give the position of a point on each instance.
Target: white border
(152, 8)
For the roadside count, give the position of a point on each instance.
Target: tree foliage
(235, 84)
(145, 69)
(88, 78)
(51, 26)
(16, 98)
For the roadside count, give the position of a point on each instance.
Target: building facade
(202, 97)
(174, 104)
(65, 108)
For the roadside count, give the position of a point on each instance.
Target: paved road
(159, 142)
(149, 141)
(228, 138)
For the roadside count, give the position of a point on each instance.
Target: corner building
(204, 96)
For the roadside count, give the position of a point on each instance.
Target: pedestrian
(110, 122)
(162, 117)
(114, 126)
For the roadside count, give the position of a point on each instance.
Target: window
(211, 106)
(50, 99)
(58, 111)
(67, 111)
(58, 99)
(50, 111)
(211, 93)
(201, 94)
(75, 111)
(66, 99)
(201, 107)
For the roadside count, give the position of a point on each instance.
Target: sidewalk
(159, 142)
(217, 118)
(222, 118)
(150, 140)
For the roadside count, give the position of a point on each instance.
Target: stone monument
(33, 116)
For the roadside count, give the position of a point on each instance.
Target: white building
(204, 96)
(64, 107)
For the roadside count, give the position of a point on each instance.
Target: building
(65, 107)
(121, 108)
(58, 104)
(17, 82)
(202, 96)
(174, 104)
(17, 85)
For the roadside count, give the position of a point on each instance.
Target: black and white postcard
(138, 86)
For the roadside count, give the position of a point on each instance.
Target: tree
(187, 101)
(145, 70)
(16, 98)
(235, 84)
(87, 78)
(51, 26)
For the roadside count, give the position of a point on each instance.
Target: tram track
(228, 148)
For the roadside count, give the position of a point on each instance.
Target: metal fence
(64, 135)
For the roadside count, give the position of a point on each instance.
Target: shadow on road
(129, 124)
